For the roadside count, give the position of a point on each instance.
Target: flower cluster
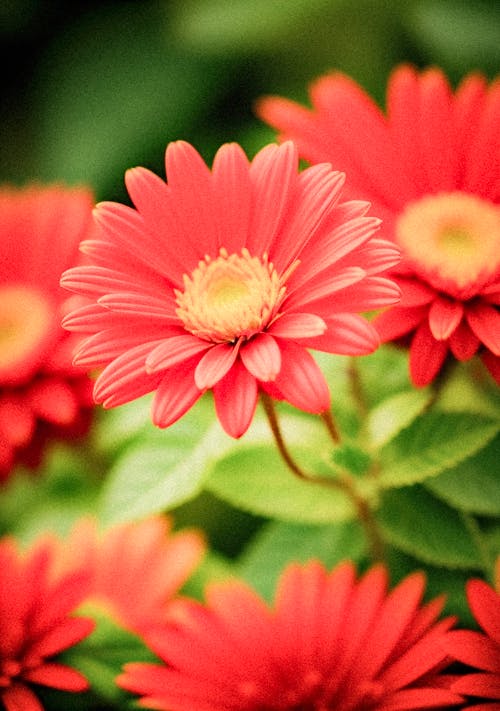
(36, 624)
(330, 642)
(42, 395)
(430, 169)
(132, 573)
(223, 279)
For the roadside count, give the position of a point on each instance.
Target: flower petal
(298, 325)
(444, 317)
(347, 334)
(19, 697)
(485, 605)
(426, 356)
(192, 203)
(484, 320)
(174, 350)
(125, 377)
(398, 321)
(272, 173)
(176, 394)
(232, 191)
(57, 676)
(214, 365)
(300, 380)
(261, 356)
(235, 400)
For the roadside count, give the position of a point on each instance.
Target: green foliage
(163, 469)
(279, 543)
(473, 485)
(395, 413)
(255, 479)
(426, 528)
(52, 499)
(434, 442)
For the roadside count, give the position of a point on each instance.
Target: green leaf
(161, 469)
(279, 542)
(352, 458)
(434, 442)
(426, 528)
(395, 413)
(101, 656)
(254, 478)
(154, 476)
(473, 485)
(383, 373)
(240, 26)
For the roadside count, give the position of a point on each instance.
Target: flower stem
(331, 426)
(344, 482)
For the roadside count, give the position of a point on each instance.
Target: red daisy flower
(431, 170)
(221, 280)
(479, 650)
(36, 625)
(42, 395)
(133, 569)
(330, 642)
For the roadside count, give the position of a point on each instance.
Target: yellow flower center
(452, 240)
(26, 326)
(230, 297)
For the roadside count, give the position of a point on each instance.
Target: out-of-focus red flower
(36, 625)
(223, 279)
(431, 169)
(479, 649)
(330, 642)
(133, 569)
(42, 395)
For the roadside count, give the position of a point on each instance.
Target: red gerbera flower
(133, 569)
(331, 642)
(431, 170)
(479, 650)
(42, 395)
(221, 279)
(36, 625)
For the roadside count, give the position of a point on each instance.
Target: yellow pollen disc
(452, 240)
(26, 325)
(230, 297)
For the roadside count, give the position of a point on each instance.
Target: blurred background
(92, 88)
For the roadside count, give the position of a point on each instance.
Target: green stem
(344, 482)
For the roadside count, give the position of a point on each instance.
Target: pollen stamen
(452, 240)
(231, 297)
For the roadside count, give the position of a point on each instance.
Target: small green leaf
(395, 413)
(434, 442)
(279, 543)
(420, 525)
(473, 485)
(351, 458)
(254, 478)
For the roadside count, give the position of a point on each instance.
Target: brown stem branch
(343, 483)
